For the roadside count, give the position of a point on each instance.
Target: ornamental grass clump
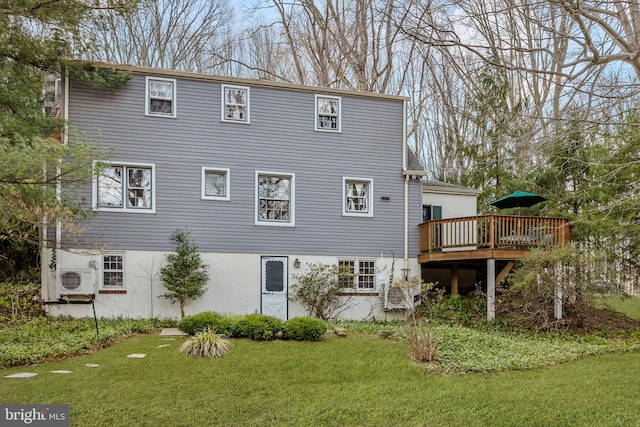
(205, 344)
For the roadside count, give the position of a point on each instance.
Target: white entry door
(274, 287)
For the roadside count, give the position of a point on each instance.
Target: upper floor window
(328, 111)
(357, 274)
(113, 271)
(235, 104)
(275, 199)
(160, 97)
(357, 197)
(125, 187)
(215, 184)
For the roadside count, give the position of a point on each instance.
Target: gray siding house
(267, 177)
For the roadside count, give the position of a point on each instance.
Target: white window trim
(223, 107)
(339, 130)
(124, 208)
(227, 172)
(356, 262)
(147, 99)
(292, 203)
(344, 197)
(124, 271)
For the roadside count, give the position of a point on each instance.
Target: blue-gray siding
(280, 138)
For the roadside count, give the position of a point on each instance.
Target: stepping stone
(168, 339)
(92, 365)
(61, 372)
(163, 345)
(22, 375)
(137, 356)
(171, 332)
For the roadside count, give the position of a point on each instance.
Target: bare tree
(164, 33)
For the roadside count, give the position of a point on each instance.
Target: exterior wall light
(296, 263)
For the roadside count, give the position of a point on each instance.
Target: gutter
(408, 174)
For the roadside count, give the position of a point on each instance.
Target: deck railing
(493, 232)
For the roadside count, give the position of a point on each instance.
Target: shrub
(208, 319)
(465, 311)
(304, 329)
(319, 290)
(257, 327)
(424, 343)
(529, 301)
(184, 276)
(19, 301)
(205, 344)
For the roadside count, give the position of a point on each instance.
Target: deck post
(454, 280)
(491, 289)
(557, 300)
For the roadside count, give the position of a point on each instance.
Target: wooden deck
(499, 237)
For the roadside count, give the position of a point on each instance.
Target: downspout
(405, 256)
(407, 175)
(64, 140)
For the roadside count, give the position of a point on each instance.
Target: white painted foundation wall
(234, 286)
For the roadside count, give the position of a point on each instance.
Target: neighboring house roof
(435, 186)
(243, 81)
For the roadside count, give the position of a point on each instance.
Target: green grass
(629, 306)
(358, 380)
(42, 338)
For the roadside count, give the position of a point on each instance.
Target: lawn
(628, 305)
(358, 380)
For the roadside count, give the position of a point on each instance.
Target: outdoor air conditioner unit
(396, 298)
(77, 281)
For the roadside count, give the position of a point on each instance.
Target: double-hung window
(235, 104)
(275, 198)
(129, 187)
(215, 183)
(113, 271)
(160, 97)
(357, 196)
(357, 274)
(328, 111)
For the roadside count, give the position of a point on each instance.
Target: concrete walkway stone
(171, 332)
(22, 375)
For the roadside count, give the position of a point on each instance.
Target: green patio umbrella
(518, 199)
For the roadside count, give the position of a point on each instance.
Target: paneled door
(275, 286)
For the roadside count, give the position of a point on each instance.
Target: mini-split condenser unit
(77, 281)
(396, 298)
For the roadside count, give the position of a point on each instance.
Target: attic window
(160, 97)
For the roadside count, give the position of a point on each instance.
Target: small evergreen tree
(185, 275)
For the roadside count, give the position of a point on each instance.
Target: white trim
(223, 108)
(339, 115)
(227, 173)
(124, 271)
(124, 208)
(147, 97)
(292, 204)
(369, 212)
